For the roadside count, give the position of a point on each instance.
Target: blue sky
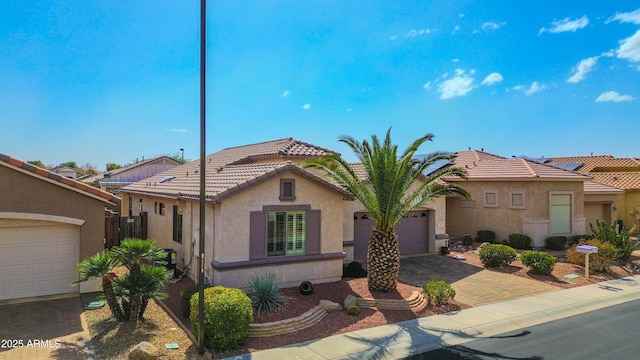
(112, 81)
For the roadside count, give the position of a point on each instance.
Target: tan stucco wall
(630, 211)
(23, 193)
(533, 220)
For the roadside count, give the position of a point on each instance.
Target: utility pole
(201, 232)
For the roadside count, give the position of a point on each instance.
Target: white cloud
(534, 88)
(285, 94)
(177, 130)
(349, 109)
(582, 69)
(427, 85)
(629, 17)
(609, 53)
(455, 60)
(566, 25)
(459, 85)
(613, 96)
(492, 79)
(414, 32)
(393, 37)
(456, 28)
(306, 106)
(630, 48)
(490, 25)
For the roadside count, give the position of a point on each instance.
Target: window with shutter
(287, 189)
(286, 233)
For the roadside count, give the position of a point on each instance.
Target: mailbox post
(586, 250)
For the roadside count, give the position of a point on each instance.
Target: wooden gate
(117, 228)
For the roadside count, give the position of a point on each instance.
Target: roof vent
(166, 178)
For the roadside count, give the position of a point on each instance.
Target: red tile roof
(43, 173)
(484, 166)
(233, 169)
(623, 173)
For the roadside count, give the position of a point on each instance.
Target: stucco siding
(22, 193)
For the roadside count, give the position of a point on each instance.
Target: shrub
(486, 236)
(538, 261)
(598, 262)
(354, 270)
(185, 299)
(265, 294)
(227, 316)
(621, 240)
(495, 255)
(556, 242)
(577, 238)
(439, 292)
(519, 241)
(353, 310)
(467, 240)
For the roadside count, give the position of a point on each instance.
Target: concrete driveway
(474, 286)
(48, 329)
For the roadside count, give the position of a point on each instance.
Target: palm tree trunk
(383, 261)
(112, 301)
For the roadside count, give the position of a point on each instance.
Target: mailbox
(587, 249)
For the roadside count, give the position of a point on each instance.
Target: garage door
(38, 260)
(412, 230)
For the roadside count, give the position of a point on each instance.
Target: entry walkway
(397, 341)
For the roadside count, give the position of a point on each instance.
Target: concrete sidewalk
(397, 341)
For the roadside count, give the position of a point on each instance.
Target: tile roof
(599, 163)
(232, 169)
(485, 166)
(593, 187)
(623, 173)
(61, 180)
(221, 182)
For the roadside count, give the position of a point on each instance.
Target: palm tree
(386, 193)
(100, 266)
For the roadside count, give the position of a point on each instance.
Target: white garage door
(38, 260)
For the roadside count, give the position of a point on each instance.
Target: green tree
(71, 164)
(177, 156)
(387, 192)
(100, 266)
(113, 166)
(128, 295)
(37, 163)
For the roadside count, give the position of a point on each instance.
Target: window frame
(569, 207)
(511, 203)
(177, 224)
(484, 199)
(162, 209)
(292, 230)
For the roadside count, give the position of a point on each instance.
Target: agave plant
(265, 294)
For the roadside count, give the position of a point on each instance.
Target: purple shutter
(257, 235)
(313, 232)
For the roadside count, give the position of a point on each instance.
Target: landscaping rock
(483, 245)
(144, 351)
(349, 301)
(330, 306)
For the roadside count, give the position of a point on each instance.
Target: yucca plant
(265, 295)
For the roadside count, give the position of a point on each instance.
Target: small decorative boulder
(144, 351)
(330, 306)
(349, 301)
(483, 245)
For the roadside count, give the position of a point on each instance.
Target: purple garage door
(412, 230)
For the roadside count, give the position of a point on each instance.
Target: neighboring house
(620, 173)
(114, 180)
(65, 171)
(48, 224)
(264, 213)
(516, 195)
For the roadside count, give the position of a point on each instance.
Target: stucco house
(48, 224)
(616, 173)
(113, 180)
(518, 195)
(265, 213)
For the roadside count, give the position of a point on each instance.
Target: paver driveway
(49, 329)
(473, 285)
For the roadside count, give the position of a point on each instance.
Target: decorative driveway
(474, 286)
(48, 329)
